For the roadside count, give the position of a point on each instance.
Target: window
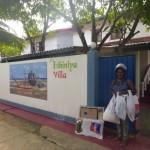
(38, 46)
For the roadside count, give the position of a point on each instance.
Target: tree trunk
(32, 44)
(94, 35)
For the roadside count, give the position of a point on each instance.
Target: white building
(63, 38)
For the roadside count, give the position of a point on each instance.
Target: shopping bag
(109, 113)
(121, 106)
(136, 105)
(130, 106)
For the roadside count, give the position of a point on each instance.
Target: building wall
(76, 40)
(27, 49)
(64, 40)
(142, 29)
(143, 62)
(51, 42)
(64, 95)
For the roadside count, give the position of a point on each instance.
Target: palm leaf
(9, 38)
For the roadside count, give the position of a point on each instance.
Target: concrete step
(147, 93)
(148, 86)
(145, 99)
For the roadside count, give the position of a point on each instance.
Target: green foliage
(10, 44)
(9, 40)
(37, 15)
(7, 51)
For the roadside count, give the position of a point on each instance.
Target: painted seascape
(29, 80)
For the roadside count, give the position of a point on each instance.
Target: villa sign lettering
(60, 67)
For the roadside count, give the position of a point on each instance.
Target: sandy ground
(19, 134)
(144, 122)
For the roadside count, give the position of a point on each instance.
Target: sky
(17, 27)
(18, 71)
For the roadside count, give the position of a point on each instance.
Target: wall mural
(29, 79)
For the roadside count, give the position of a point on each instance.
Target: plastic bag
(130, 106)
(89, 127)
(136, 105)
(121, 106)
(109, 113)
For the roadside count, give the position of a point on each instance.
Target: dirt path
(19, 134)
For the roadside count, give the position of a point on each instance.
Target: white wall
(64, 40)
(140, 27)
(51, 43)
(76, 40)
(65, 95)
(27, 49)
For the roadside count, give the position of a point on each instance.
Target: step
(148, 86)
(144, 102)
(147, 93)
(144, 105)
(145, 99)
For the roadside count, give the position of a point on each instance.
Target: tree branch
(75, 23)
(131, 34)
(106, 17)
(94, 36)
(61, 14)
(111, 29)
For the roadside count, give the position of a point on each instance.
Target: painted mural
(29, 79)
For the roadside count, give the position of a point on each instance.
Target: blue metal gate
(107, 74)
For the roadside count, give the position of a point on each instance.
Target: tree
(10, 44)
(10, 41)
(145, 11)
(35, 16)
(46, 18)
(117, 15)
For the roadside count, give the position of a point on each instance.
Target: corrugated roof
(137, 46)
(132, 41)
(43, 54)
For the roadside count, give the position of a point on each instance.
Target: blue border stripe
(40, 112)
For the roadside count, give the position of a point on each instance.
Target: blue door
(107, 74)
